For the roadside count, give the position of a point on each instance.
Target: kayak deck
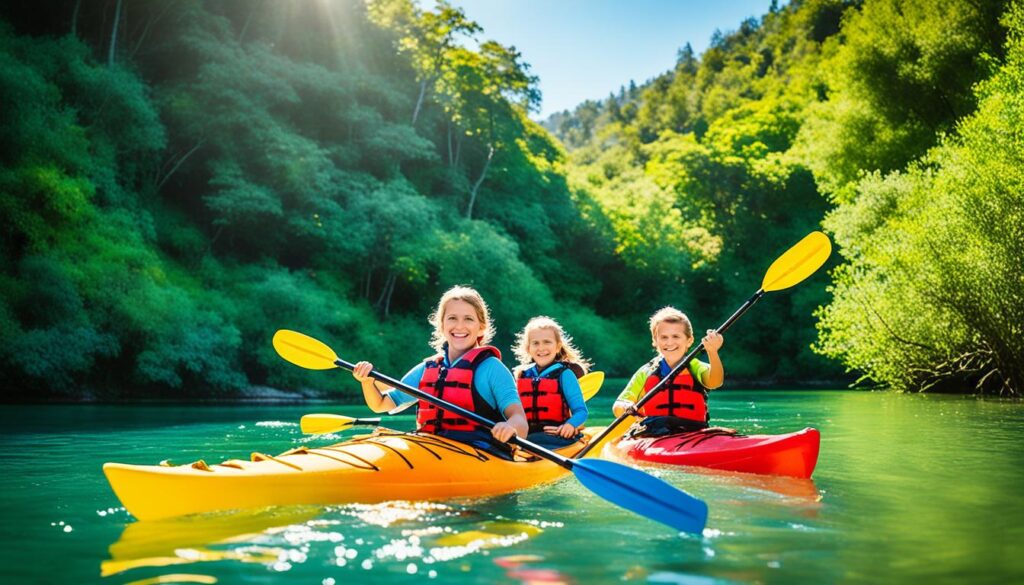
(792, 454)
(387, 465)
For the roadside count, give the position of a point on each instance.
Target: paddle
(630, 488)
(590, 384)
(796, 264)
(318, 424)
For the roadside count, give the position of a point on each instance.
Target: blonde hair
(567, 352)
(468, 295)
(669, 315)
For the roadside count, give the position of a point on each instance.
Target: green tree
(945, 238)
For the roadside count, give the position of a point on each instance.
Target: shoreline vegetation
(180, 179)
(268, 395)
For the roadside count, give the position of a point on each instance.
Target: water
(908, 489)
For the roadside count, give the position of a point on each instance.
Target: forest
(181, 178)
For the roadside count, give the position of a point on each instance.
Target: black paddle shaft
(675, 371)
(516, 440)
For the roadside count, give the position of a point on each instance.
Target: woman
(466, 372)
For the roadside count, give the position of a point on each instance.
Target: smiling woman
(465, 371)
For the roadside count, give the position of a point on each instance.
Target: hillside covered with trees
(895, 124)
(179, 179)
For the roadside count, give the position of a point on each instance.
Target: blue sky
(585, 49)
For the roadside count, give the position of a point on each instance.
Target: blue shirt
(492, 380)
(570, 389)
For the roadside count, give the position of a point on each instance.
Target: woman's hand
(503, 431)
(362, 372)
(566, 431)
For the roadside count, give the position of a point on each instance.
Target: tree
(945, 239)
(489, 92)
(429, 38)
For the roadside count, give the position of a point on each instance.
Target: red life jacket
(454, 384)
(683, 397)
(542, 397)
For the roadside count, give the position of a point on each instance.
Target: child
(682, 405)
(466, 372)
(547, 379)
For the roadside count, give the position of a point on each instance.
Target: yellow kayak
(387, 465)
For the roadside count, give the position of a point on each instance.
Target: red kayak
(793, 454)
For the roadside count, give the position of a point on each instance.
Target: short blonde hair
(670, 315)
(468, 295)
(567, 352)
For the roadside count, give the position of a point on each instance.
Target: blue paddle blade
(642, 493)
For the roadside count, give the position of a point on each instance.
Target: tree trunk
(391, 291)
(248, 19)
(479, 181)
(384, 299)
(74, 19)
(150, 22)
(113, 34)
(451, 158)
(419, 101)
(177, 165)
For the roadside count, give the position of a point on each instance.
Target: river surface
(908, 489)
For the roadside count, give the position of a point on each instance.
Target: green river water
(908, 489)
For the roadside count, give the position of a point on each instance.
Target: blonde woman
(547, 381)
(466, 372)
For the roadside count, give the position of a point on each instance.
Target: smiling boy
(682, 404)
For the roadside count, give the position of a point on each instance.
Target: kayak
(792, 454)
(387, 465)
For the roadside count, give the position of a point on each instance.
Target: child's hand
(624, 408)
(713, 340)
(566, 431)
(503, 432)
(362, 372)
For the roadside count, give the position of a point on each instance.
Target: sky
(586, 49)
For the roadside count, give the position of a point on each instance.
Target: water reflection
(416, 537)
(188, 540)
(796, 491)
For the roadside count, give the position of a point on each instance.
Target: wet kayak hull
(792, 454)
(387, 465)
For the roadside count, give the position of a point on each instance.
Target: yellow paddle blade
(591, 383)
(798, 262)
(303, 350)
(318, 424)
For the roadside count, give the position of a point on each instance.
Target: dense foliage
(944, 237)
(180, 178)
(177, 188)
(868, 112)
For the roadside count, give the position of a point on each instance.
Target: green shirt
(635, 387)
